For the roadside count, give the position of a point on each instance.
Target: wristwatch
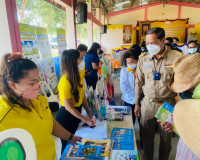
(70, 138)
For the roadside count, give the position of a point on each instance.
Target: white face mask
(81, 66)
(132, 66)
(153, 49)
(192, 50)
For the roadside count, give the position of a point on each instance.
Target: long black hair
(14, 70)
(70, 68)
(93, 49)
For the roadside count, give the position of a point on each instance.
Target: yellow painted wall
(190, 30)
(128, 18)
(191, 13)
(162, 12)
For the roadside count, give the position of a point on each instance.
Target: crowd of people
(153, 73)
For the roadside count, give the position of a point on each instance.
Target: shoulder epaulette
(143, 54)
(178, 53)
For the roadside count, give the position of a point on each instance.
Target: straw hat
(187, 73)
(186, 119)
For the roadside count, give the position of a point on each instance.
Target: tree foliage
(81, 30)
(41, 13)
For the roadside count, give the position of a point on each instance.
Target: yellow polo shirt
(38, 122)
(65, 90)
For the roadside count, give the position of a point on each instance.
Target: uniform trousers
(148, 126)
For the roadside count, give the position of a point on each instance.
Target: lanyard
(155, 65)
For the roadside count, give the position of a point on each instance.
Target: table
(126, 123)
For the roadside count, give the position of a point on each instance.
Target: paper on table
(99, 132)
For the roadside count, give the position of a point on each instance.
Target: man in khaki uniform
(154, 71)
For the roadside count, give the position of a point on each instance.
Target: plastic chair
(52, 97)
(54, 104)
(58, 146)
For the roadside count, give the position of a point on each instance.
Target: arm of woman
(87, 109)
(94, 66)
(101, 61)
(70, 108)
(62, 133)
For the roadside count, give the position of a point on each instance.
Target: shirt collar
(130, 70)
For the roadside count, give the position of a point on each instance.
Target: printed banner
(173, 28)
(127, 34)
(45, 52)
(30, 47)
(28, 39)
(62, 45)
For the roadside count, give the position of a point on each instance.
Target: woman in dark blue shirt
(92, 65)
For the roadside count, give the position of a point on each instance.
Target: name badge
(147, 65)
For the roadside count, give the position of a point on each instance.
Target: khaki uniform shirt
(155, 89)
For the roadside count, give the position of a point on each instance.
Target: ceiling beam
(104, 6)
(132, 3)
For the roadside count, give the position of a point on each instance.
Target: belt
(159, 101)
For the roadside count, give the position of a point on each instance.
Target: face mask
(81, 66)
(153, 49)
(174, 45)
(132, 66)
(101, 57)
(31, 93)
(192, 50)
(186, 95)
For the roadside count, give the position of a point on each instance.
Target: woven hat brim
(186, 119)
(177, 87)
(183, 86)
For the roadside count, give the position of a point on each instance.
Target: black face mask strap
(186, 95)
(6, 114)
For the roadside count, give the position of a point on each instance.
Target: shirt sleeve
(124, 83)
(64, 89)
(139, 82)
(94, 59)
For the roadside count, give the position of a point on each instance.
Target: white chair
(58, 147)
(52, 97)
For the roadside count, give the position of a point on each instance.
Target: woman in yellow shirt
(22, 107)
(71, 90)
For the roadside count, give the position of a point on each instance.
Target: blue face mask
(174, 45)
(186, 95)
(192, 50)
(101, 57)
